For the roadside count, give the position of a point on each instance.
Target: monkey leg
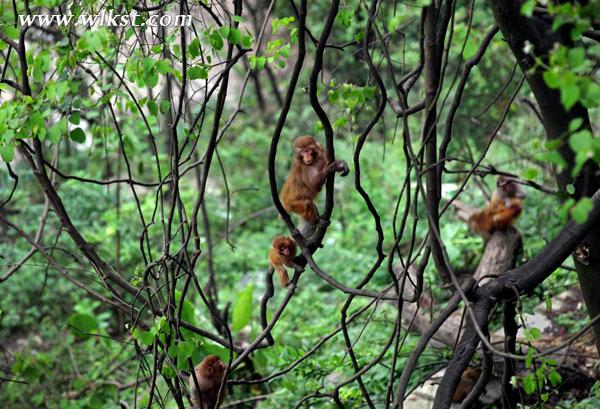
(307, 229)
(305, 208)
(284, 279)
(318, 230)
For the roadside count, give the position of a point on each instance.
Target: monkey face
(519, 192)
(306, 149)
(510, 188)
(307, 156)
(213, 367)
(284, 250)
(284, 246)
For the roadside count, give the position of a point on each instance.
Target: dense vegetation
(138, 196)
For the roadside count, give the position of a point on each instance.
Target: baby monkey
(283, 250)
(502, 210)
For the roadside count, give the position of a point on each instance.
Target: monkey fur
(210, 374)
(502, 210)
(283, 250)
(310, 168)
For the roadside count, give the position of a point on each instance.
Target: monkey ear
(502, 181)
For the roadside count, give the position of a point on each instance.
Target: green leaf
(565, 208)
(554, 378)
(575, 124)
(582, 209)
(213, 349)
(12, 32)
(216, 41)
(194, 48)
(247, 41)
(163, 66)
(552, 78)
(168, 371)
(569, 95)
(82, 325)
(75, 117)
(144, 337)
(553, 157)
(581, 141)
(224, 31)
(7, 152)
(530, 173)
(548, 302)
(576, 57)
(164, 106)
(242, 309)
(591, 98)
(234, 37)
(529, 358)
(188, 313)
(152, 107)
(77, 135)
(185, 351)
(173, 351)
(36, 122)
(532, 333)
(56, 131)
(527, 8)
(197, 73)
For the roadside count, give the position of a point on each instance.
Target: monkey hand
(342, 167)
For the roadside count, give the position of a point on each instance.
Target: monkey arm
(505, 216)
(282, 273)
(290, 263)
(336, 166)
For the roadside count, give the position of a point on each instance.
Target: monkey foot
(318, 232)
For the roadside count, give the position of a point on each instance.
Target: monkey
(310, 168)
(467, 382)
(282, 252)
(209, 374)
(502, 210)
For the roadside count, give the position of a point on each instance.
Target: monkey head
(509, 188)
(306, 150)
(284, 246)
(213, 368)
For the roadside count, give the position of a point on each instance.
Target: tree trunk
(517, 29)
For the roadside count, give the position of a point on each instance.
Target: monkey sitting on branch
(502, 210)
(310, 168)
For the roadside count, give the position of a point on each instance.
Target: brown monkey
(502, 210)
(282, 252)
(309, 170)
(209, 374)
(467, 382)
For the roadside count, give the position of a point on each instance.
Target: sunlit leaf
(242, 309)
